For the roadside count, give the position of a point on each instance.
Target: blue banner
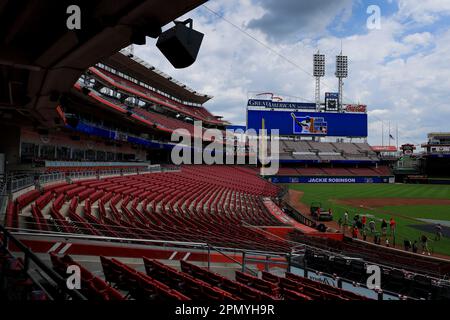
(315, 179)
(310, 123)
(114, 135)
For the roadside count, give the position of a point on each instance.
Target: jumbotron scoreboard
(306, 119)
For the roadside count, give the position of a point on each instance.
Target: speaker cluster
(180, 44)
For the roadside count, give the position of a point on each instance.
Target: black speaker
(180, 44)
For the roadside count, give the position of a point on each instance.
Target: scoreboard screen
(307, 123)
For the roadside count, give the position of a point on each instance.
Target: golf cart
(319, 213)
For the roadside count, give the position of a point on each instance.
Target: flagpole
(397, 134)
(389, 136)
(382, 133)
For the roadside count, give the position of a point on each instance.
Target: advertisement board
(329, 180)
(280, 104)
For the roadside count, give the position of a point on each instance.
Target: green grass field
(405, 215)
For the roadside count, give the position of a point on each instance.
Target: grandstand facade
(437, 155)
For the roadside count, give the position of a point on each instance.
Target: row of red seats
(54, 186)
(325, 287)
(374, 253)
(92, 287)
(12, 215)
(43, 200)
(177, 206)
(25, 199)
(81, 223)
(198, 283)
(193, 288)
(197, 112)
(64, 188)
(39, 220)
(138, 285)
(311, 290)
(165, 121)
(259, 284)
(14, 207)
(396, 258)
(236, 288)
(60, 221)
(96, 168)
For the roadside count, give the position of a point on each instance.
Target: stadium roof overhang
(139, 69)
(41, 59)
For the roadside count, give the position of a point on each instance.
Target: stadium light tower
(319, 71)
(341, 73)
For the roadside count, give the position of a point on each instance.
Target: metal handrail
(246, 224)
(166, 243)
(21, 183)
(30, 256)
(332, 254)
(236, 261)
(132, 230)
(298, 216)
(349, 281)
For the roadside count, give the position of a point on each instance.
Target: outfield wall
(330, 179)
(427, 180)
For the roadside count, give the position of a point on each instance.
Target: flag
(391, 137)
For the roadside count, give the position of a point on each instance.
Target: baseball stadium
(94, 207)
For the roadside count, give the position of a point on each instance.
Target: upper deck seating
(196, 112)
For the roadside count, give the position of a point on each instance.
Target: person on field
(372, 227)
(355, 232)
(340, 222)
(387, 242)
(407, 244)
(364, 221)
(345, 219)
(360, 225)
(438, 232)
(383, 227)
(392, 226)
(424, 241)
(364, 234)
(414, 246)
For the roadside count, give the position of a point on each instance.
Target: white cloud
(387, 72)
(424, 11)
(419, 39)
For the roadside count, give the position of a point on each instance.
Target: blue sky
(356, 22)
(401, 71)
